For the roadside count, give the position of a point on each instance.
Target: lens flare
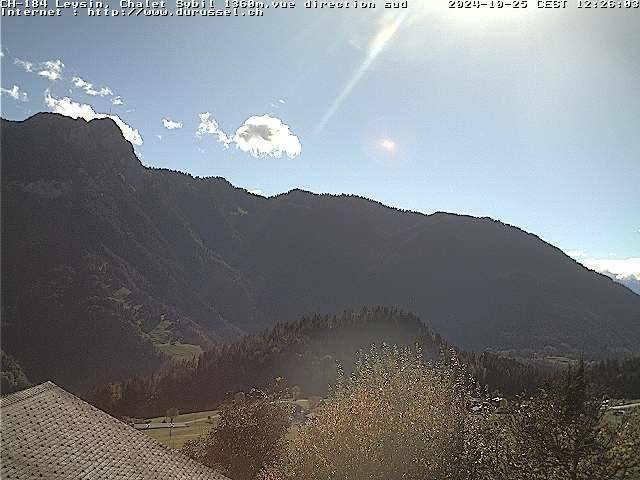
(380, 41)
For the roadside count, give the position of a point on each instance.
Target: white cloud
(263, 136)
(257, 191)
(117, 100)
(267, 136)
(15, 93)
(617, 267)
(170, 124)
(24, 64)
(624, 271)
(281, 101)
(209, 126)
(66, 106)
(89, 88)
(51, 69)
(159, 137)
(614, 267)
(1, 54)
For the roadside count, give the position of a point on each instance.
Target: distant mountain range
(109, 267)
(629, 281)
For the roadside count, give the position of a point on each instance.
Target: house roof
(49, 433)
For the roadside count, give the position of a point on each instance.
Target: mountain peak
(105, 125)
(98, 132)
(63, 144)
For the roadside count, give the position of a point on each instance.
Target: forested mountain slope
(304, 354)
(107, 263)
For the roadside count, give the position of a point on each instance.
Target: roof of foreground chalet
(49, 433)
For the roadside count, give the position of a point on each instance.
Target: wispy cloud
(278, 103)
(90, 89)
(51, 69)
(259, 136)
(66, 106)
(209, 126)
(15, 93)
(576, 254)
(170, 124)
(257, 191)
(24, 64)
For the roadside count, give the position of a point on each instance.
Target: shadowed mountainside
(106, 264)
(305, 354)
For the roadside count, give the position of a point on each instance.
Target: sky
(528, 116)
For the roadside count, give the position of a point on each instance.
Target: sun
(388, 145)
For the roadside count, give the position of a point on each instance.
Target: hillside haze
(305, 354)
(109, 266)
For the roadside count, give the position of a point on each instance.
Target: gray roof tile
(49, 433)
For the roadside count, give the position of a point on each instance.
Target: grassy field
(199, 423)
(180, 351)
(163, 338)
(188, 417)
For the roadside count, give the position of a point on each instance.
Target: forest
(306, 354)
(397, 416)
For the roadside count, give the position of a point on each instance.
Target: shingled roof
(49, 433)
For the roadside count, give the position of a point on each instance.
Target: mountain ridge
(138, 261)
